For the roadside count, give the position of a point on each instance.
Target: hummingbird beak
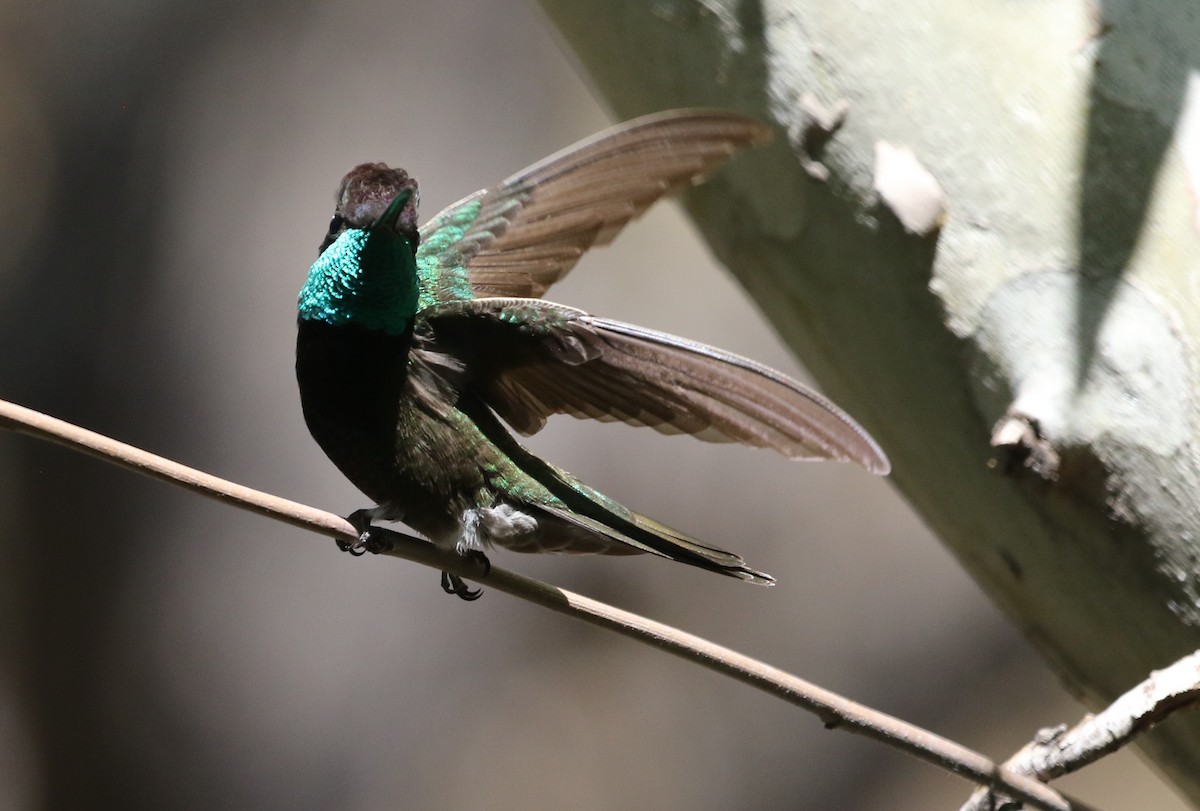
(391, 215)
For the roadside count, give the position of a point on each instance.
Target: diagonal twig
(834, 710)
(1060, 751)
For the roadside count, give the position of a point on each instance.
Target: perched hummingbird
(415, 343)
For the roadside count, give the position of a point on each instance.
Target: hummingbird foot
(361, 520)
(453, 584)
(357, 548)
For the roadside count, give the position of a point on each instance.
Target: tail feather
(647, 535)
(584, 507)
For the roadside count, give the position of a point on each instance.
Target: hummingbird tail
(608, 527)
(634, 532)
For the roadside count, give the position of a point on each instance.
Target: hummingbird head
(373, 196)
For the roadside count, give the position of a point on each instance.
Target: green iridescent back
(457, 235)
(441, 267)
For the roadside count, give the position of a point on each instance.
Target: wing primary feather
(531, 359)
(783, 405)
(576, 199)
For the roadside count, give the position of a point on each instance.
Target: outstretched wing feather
(530, 359)
(521, 236)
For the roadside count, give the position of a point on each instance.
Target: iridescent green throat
(366, 279)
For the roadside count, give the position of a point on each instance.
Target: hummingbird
(417, 346)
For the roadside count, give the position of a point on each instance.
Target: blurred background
(166, 174)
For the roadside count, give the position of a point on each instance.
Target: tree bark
(986, 262)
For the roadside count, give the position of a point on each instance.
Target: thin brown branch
(1060, 751)
(834, 710)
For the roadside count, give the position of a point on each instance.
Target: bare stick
(1060, 751)
(833, 710)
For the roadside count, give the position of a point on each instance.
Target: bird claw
(453, 584)
(357, 548)
(368, 542)
(361, 520)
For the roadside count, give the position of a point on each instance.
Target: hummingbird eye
(336, 223)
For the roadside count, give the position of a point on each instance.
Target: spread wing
(518, 238)
(529, 359)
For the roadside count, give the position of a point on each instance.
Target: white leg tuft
(487, 525)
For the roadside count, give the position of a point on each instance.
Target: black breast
(351, 382)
